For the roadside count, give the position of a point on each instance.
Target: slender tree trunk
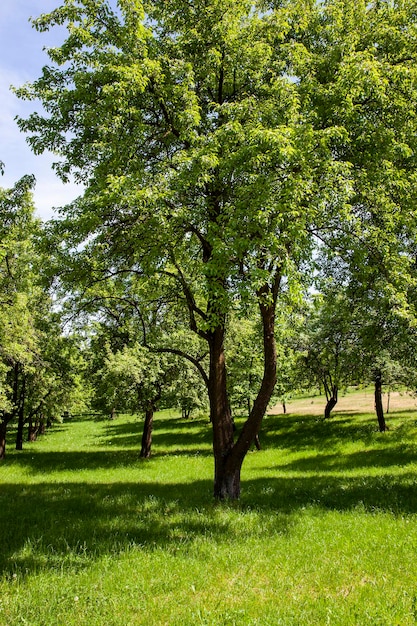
(3, 430)
(145, 452)
(19, 434)
(378, 402)
(42, 425)
(284, 407)
(32, 429)
(331, 402)
(256, 441)
(21, 417)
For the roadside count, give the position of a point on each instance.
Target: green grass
(325, 532)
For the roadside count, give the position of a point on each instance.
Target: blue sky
(21, 60)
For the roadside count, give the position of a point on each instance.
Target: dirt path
(357, 402)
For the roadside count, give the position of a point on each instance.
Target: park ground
(325, 531)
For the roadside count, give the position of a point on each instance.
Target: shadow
(72, 521)
(45, 461)
(295, 432)
(170, 436)
(54, 525)
(399, 456)
(389, 493)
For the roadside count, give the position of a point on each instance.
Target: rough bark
(226, 479)
(228, 455)
(331, 402)
(145, 451)
(378, 402)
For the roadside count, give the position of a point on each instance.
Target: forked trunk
(145, 452)
(378, 402)
(331, 402)
(228, 455)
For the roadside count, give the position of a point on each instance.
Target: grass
(325, 532)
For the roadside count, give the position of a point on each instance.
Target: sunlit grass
(325, 532)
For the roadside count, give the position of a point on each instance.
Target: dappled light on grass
(325, 529)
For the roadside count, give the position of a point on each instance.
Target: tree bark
(228, 455)
(145, 451)
(19, 434)
(331, 402)
(3, 430)
(378, 402)
(226, 477)
(21, 417)
(32, 430)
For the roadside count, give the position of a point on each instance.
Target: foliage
(37, 363)
(223, 143)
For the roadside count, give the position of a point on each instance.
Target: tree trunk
(145, 452)
(19, 434)
(21, 417)
(378, 402)
(226, 475)
(331, 402)
(32, 431)
(42, 424)
(3, 429)
(227, 455)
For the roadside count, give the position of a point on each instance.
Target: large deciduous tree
(211, 139)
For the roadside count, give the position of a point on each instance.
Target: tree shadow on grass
(170, 436)
(399, 456)
(52, 525)
(34, 461)
(389, 493)
(295, 432)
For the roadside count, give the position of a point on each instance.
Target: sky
(21, 60)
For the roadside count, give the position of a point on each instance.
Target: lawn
(325, 531)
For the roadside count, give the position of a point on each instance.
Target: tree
(210, 156)
(328, 345)
(18, 341)
(37, 373)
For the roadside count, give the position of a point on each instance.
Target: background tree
(18, 340)
(328, 346)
